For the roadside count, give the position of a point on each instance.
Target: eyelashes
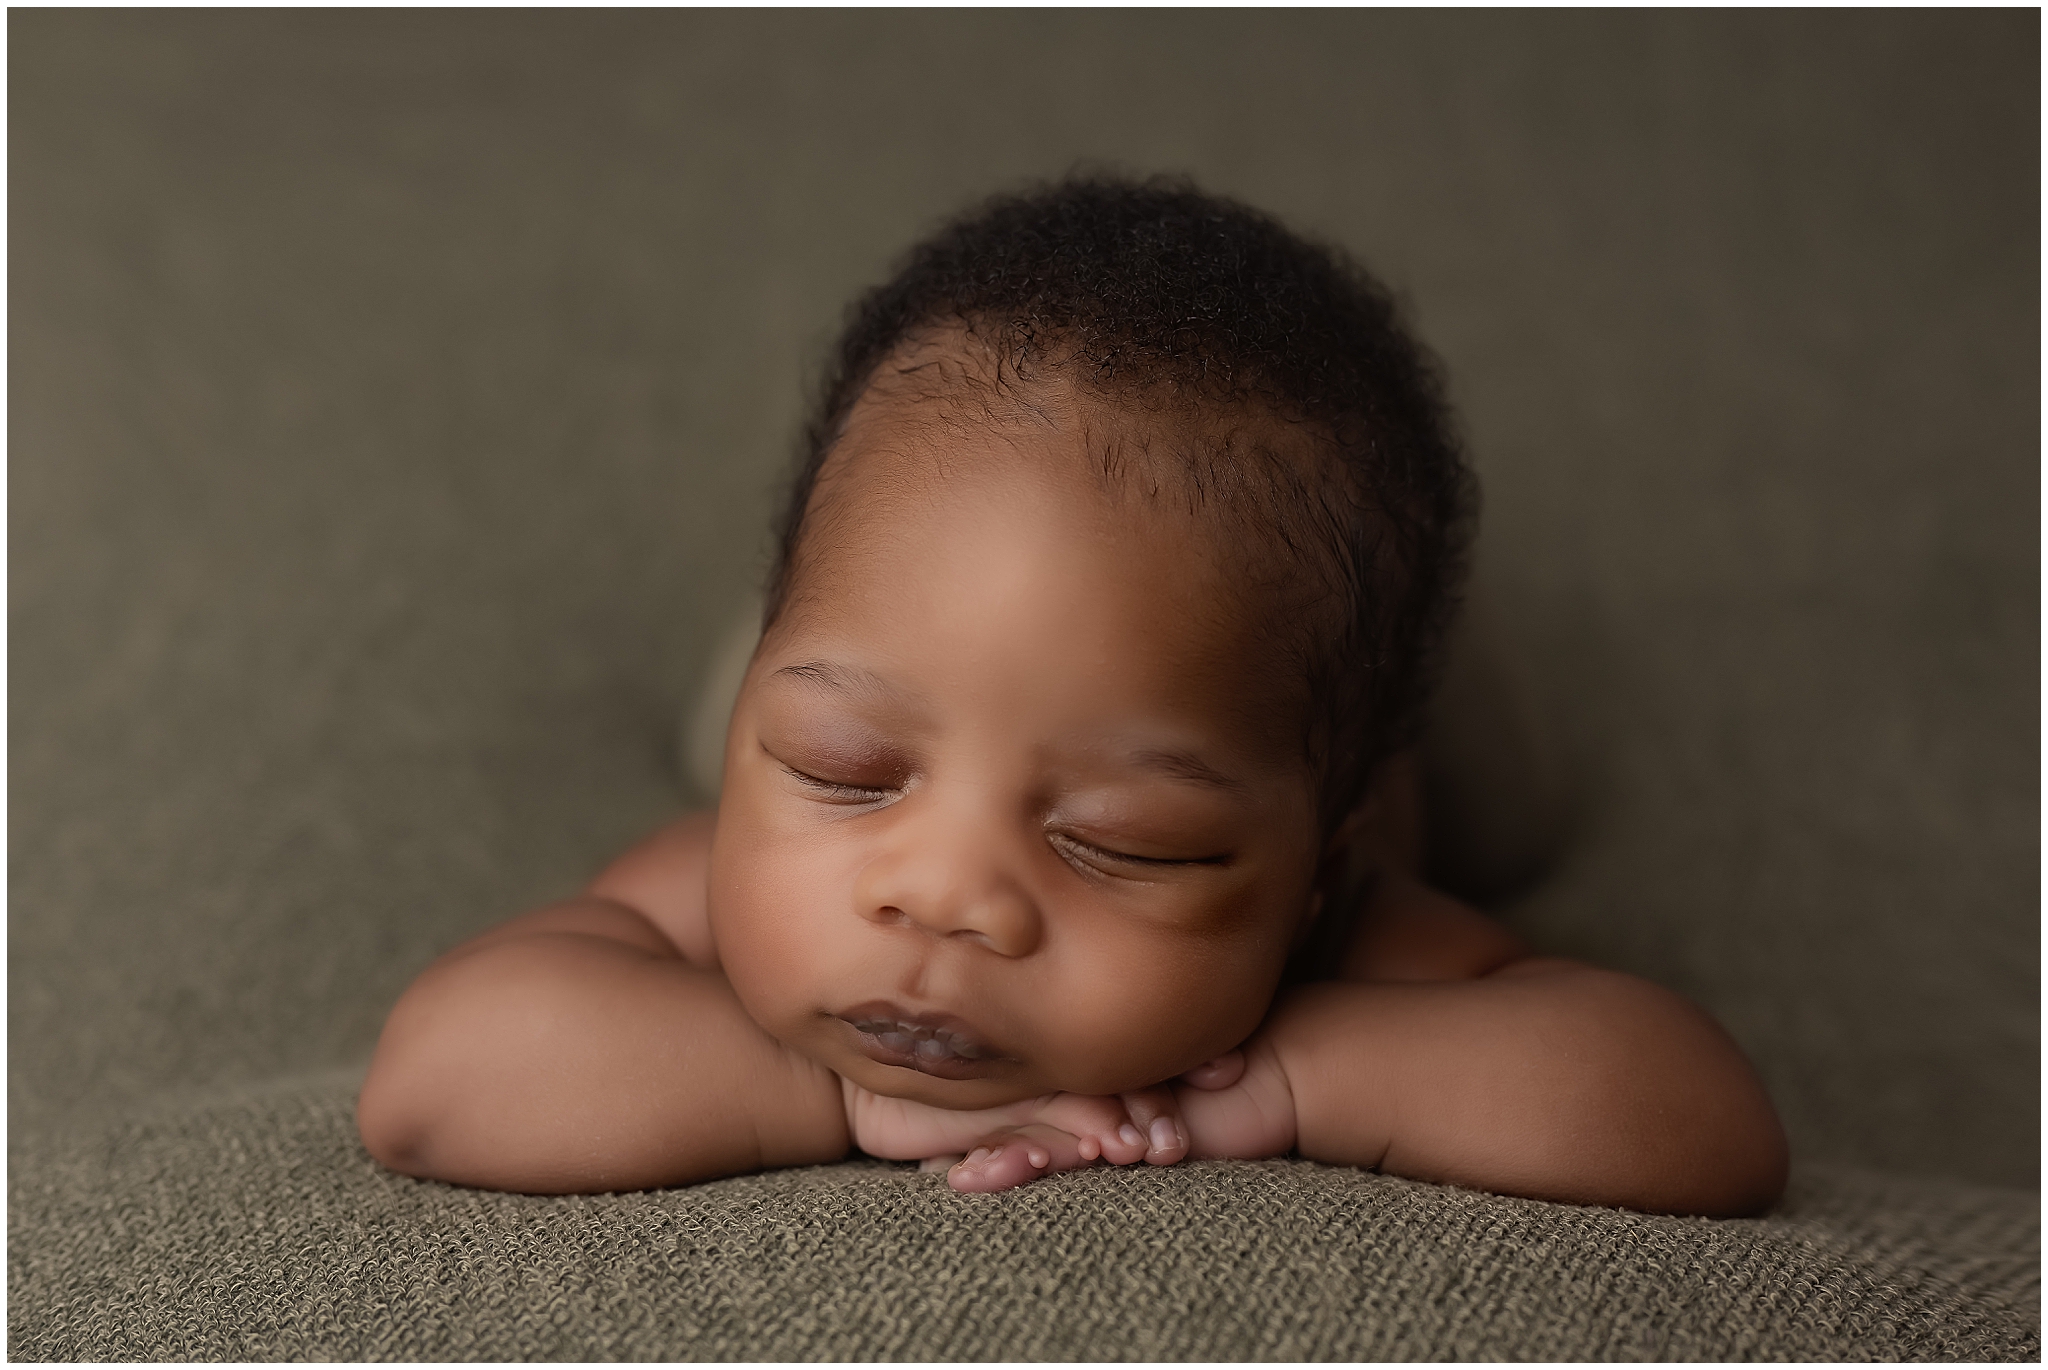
(1092, 854)
(1073, 848)
(835, 791)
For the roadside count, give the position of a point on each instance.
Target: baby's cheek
(762, 917)
(1138, 1015)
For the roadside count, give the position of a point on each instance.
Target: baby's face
(1009, 805)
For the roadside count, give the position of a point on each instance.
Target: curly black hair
(1152, 290)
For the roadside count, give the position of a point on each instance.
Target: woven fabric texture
(257, 1228)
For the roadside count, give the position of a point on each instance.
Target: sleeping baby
(1067, 816)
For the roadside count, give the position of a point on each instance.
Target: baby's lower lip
(932, 1051)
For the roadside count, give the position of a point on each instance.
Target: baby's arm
(592, 1046)
(1447, 1054)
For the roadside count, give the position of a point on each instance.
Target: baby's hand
(1072, 1130)
(1068, 1131)
(1016, 1143)
(1239, 1105)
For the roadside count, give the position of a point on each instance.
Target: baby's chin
(1006, 1083)
(990, 1091)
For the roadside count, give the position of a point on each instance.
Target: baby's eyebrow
(1184, 765)
(840, 678)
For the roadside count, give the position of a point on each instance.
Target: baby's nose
(1002, 920)
(951, 898)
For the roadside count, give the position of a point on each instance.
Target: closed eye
(836, 791)
(1074, 846)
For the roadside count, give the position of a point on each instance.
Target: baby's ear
(1329, 911)
(701, 740)
(1391, 817)
(1306, 924)
(1345, 839)
(1504, 790)
(1384, 828)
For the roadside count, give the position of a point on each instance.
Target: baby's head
(1121, 547)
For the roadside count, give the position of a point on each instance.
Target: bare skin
(1012, 848)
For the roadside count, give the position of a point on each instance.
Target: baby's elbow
(1728, 1159)
(1758, 1163)
(1742, 1157)
(1739, 1163)
(410, 1111)
(417, 1112)
(394, 1129)
(1708, 1137)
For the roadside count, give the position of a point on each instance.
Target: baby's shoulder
(1408, 931)
(663, 877)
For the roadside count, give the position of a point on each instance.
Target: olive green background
(397, 399)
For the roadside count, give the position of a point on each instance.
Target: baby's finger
(1100, 1125)
(1002, 1163)
(1221, 1073)
(1016, 1156)
(1122, 1142)
(1156, 1118)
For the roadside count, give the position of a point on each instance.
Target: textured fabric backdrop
(311, 1251)
(397, 398)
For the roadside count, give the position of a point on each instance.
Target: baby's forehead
(1218, 488)
(1086, 501)
(1224, 453)
(1037, 594)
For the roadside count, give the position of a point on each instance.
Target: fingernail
(976, 1156)
(1131, 1135)
(1163, 1134)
